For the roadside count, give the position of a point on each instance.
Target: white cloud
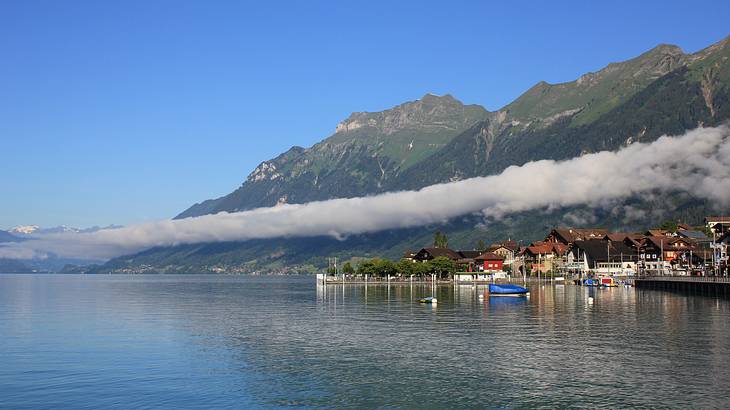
(697, 162)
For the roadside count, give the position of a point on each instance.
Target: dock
(718, 286)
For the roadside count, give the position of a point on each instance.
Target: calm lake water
(183, 342)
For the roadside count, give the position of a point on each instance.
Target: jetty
(704, 285)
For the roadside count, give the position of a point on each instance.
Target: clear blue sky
(122, 112)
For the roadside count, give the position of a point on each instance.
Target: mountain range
(439, 139)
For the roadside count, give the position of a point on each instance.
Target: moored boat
(429, 299)
(507, 290)
(608, 282)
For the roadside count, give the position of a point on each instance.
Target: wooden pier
(704, 285)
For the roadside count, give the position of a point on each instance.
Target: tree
(347, 268)
(442, 266)
(406, 267)
(421, 269)
(668, 226)
(440, 240)
(481, 246)
(385, 267)
(366, 268)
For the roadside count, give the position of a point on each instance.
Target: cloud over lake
(697, 162)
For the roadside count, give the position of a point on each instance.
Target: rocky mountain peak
(429, 111)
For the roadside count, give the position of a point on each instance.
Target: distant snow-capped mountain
(28, 230)
(24, 229)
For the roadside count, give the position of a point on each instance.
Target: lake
(198, 342)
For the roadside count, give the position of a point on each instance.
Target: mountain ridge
(694, 93)
(373, 152)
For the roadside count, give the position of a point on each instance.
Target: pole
(661, 254)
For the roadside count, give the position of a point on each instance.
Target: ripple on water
(223, 341)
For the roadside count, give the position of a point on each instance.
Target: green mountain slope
(594, 94)
(365, 153)
(660, 92)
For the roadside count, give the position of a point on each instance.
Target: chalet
(568, 236)
(544, 256)
(466, 262)
(490, 262)
(669, 249)
(426, 254)
(409, 255)
(505, 251)
(604, 256)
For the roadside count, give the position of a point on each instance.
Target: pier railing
(718, 279)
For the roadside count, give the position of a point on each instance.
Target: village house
(427, 254)
(507, 250)
(568, 236)
(604, 257)
(659, 233)
(409, 255)
(543, 257)
(480, 268)
(490, 262)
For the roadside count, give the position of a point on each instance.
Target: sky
(126, 112)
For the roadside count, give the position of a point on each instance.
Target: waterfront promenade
(706, 285)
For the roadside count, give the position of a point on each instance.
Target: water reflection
(215, 341)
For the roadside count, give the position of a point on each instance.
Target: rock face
(439, 139)
(363, 156)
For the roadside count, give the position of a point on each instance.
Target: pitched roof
(543, 248)
(598, 249)
(436, 252)
(667, 243)
(580, 234)
(469, 254)
(620, 236)
(489, 256)
(717, 219)
(692, 234)
(496, 246)
(560, 248)
(658, 232)
(510, 244)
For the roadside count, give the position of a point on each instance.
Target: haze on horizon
(118, 114)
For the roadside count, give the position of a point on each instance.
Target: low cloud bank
(697, 162)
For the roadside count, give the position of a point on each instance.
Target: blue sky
(122, 112)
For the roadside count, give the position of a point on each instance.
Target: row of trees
(441, 266)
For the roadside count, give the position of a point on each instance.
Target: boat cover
(507, 289)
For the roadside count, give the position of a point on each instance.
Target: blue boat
(507, 290)
(590, 282)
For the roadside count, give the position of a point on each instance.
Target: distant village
(571, 252)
